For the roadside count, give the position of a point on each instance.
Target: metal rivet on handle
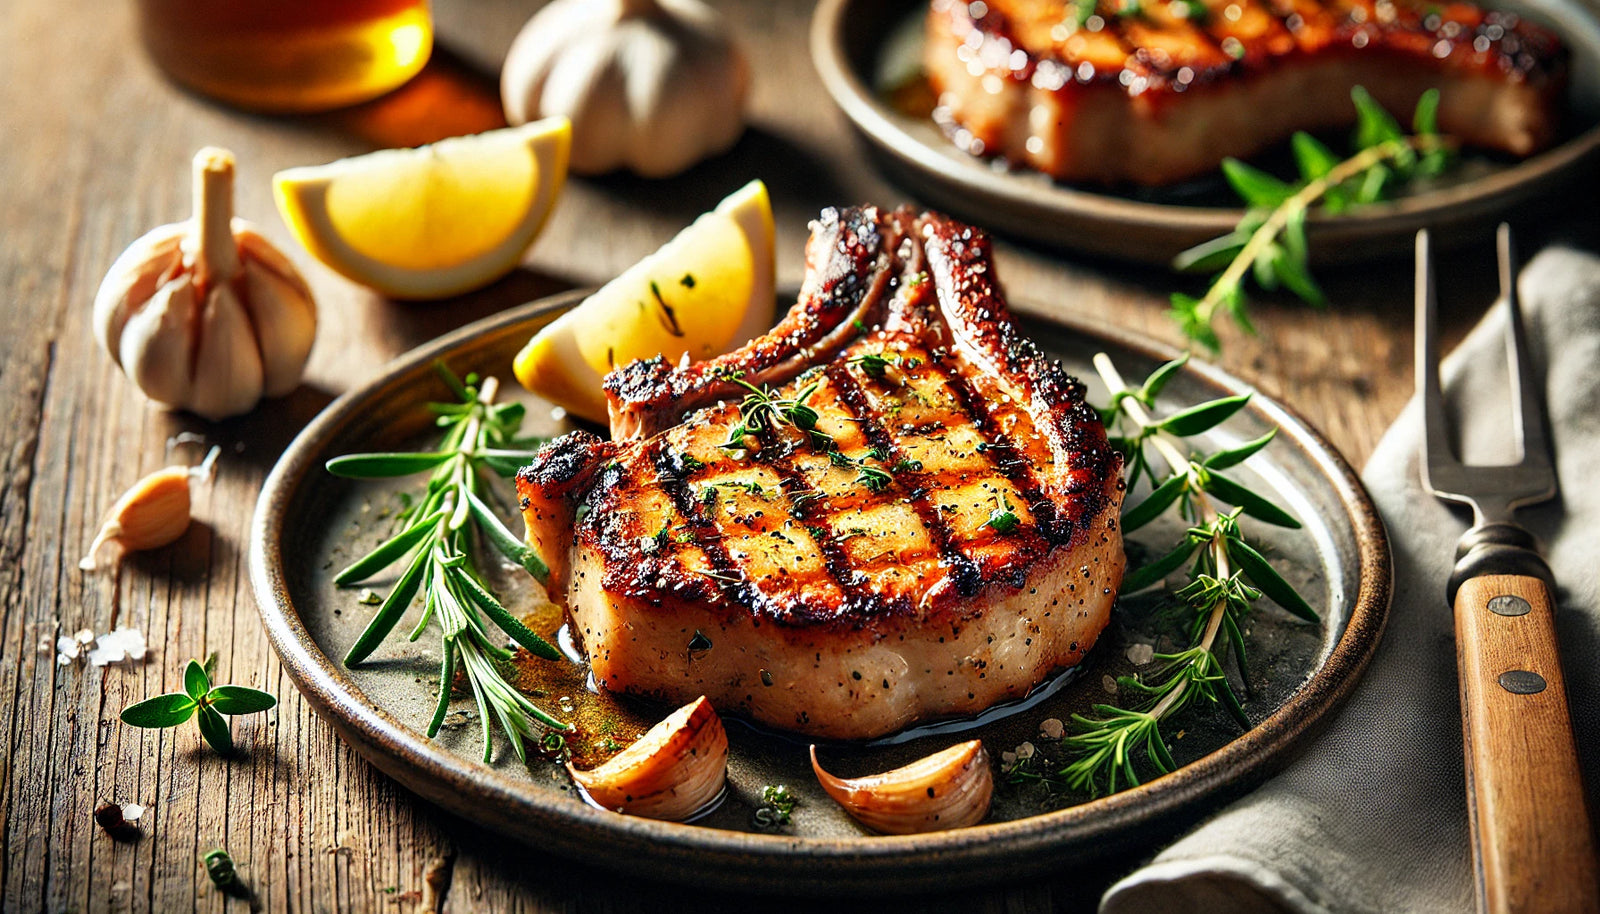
(1509, 605)
(1522, 682)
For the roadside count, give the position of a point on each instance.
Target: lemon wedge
(703, 293)
(433, 221)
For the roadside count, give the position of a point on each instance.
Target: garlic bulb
(206, 315)
(948, 789)
(650, 85)
(672, 772)
(154, 512)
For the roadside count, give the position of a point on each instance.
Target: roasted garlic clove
(948, 789)
(671, 772)
(206, 315)
(153, 513)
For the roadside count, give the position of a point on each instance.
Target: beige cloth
(1372, 818)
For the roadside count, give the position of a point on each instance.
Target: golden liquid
(288, 55)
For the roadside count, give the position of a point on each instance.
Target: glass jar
(288, 55)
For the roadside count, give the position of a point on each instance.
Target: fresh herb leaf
(875, 364)
(480, 438)
(1202, 417)
(195, 680)
(160, 712)
(1221, 460)
(1270, 241)
(1155, 504)
(234, 699)
(201, 700)
(1110, 748)
(379, 466)
(214, 727)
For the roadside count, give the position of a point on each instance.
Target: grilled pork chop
(1154, 91)
(914, 515)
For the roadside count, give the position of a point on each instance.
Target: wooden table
(95, 151)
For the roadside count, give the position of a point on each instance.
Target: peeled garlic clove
(206, 315)
(672, 772)
(152, 514)
(948, 789)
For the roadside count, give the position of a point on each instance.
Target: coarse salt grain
(118, 646)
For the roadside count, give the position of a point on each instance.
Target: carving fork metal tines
(1533, 849)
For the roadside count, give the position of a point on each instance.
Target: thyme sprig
(762, 411)
(1269, 242)
(434, 552)
(1227, 577)
(874, 478)
(203, 701)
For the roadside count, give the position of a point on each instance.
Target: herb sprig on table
(1227, 577)
(1269, 243)
(434, 552)
(203, 701)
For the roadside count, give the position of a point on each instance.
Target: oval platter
(863, 47)
(308, 524)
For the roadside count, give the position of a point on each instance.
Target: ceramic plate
(308, 524)
(862, 47)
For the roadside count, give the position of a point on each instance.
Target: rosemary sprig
(434, 552)
(1227, 578)
(1270, 241)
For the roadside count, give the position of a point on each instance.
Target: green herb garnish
(1270, 241)
(1227, 577)
(219, 866)
(433, 551)
(762, 412)
(875, 364)
(1002, 519)
(777, 805)
(875, 479)
(199, 697)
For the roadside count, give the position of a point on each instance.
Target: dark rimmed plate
(858, 45)
(308, 523)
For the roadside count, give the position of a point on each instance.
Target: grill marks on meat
(792, 532)
(810, 561)
(1158, 91)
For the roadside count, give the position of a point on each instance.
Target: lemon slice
(703, 293)
(432, 221)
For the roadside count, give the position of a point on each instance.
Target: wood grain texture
(95, 151)
(1533, 844)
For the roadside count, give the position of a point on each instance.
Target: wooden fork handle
(1533, 848)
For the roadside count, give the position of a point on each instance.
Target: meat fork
(1533, 849)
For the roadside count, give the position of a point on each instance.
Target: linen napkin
(1372, 817)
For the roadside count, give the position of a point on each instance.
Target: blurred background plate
(308, 524)
(863, 48)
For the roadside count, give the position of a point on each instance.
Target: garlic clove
(278, 303)
(155, 342)
(672, 772)
(154, 512)
(147, 265)
(948, 789)
(226, 378)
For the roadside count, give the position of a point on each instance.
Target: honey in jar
(288, 55)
